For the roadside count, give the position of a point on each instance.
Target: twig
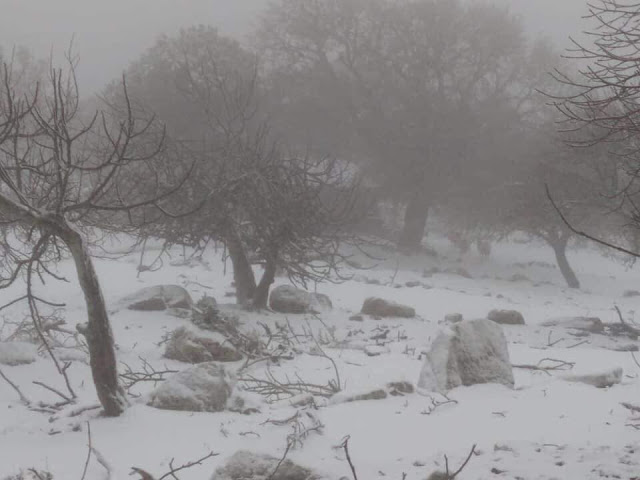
(286, 452)
(462, 467)
(631, 407)
(23, 399)
(51, 389)
(90, 446)
(633, 355)
(186, 465)
(102, 461)
(345, 446)
(626, 326)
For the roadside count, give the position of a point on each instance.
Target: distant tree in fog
(416, 91)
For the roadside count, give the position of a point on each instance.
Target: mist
(108, 35)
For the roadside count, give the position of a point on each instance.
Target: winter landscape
(370, 239)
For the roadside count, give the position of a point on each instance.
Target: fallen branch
(173, 470)
(556, 365)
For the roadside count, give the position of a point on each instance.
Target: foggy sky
(111, 33)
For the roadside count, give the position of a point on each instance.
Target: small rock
(356, 318)
(17, 353)
(375, 350)
(203, 388)
(158, 298)
(245, 465)
(190, 346)
(289, 299)
(631, 293)
(604, 379)
(412, 284)
(506, 317)
(518, 277)
(453, 317)
(586, 324)
(384, 308)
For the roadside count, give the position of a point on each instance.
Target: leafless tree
(64, 175)
(275, 208)
(601, 110)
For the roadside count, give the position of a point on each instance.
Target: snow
(545, 428)
(17, 353)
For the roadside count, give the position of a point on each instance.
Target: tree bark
(97, 330)
(560, 249)
(415, 221)
(243, 275)
(262, 291)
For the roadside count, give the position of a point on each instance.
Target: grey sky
(110, 33)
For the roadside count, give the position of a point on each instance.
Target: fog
(109, 34)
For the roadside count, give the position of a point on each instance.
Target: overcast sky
(110, 33)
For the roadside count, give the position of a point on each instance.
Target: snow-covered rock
(191, 346)
(471, 352)
(17, 353)
(244, 465)
(289, 299)
(587, 324)
(506, 317)
(158, 298)
(379, 307)
(604, 379)
(453, 317)
(203, 388)
(375, 350)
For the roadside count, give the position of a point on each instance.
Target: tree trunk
(97, 330)
(262, 291)
(415, 221)
(243, 275)
(560, 249)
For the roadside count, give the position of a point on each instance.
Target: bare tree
(62, 176)
(601, 110)
(274, 209)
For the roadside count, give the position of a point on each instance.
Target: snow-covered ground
(545, 428)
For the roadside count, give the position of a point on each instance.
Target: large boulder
(379, 307)
(17, 353)
(203, 388)
(191, 346)
(586, 324)
(245, 465)
(471, 352)
(159, 298)
(506, 317)
(289, 299)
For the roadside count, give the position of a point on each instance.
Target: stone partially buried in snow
(159, 298)
(586, 324)
(471, 352)
(379, 307)
(17, 353)
(506, 317)
(289, 299)
(191, 346)
(203, 388)
(245, 465)
(604, 379)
